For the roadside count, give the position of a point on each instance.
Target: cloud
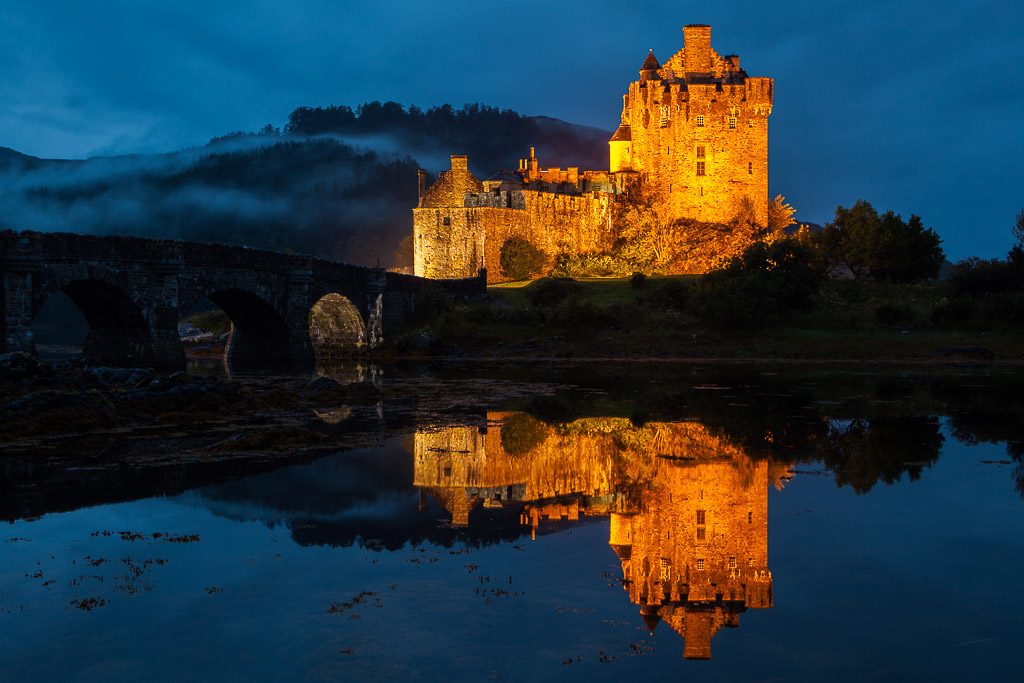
(898, 104)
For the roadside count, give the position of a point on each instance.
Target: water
(759, 539)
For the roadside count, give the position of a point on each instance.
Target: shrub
(589, 263)
(521, 433)
(550, 291)
(952, 313)
(760, 287)
(977, 276)
(521, 260)
(894, 314)
(638, 280)
(670, 296)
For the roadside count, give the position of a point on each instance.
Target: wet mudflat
(701, 522)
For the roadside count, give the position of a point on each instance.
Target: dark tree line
(493, 138)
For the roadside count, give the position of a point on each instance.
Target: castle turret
(649, 69)
(621, 154)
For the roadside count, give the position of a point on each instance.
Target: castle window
(447, 471)
(750, 123)
(700, 151)
(750, 562)
(700, 533)
(700, 121)
(750, 168)
(732, 123)
(700, 564)
(700, 168)
(700, 516)
(750, 518)
(732, 562)
(666, 111)
(447, 220)
(666, 569)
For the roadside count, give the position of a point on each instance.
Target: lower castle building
(693, 133)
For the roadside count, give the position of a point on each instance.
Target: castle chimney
(422, 178)
(697, 48)
(534, 165)
(460, 162)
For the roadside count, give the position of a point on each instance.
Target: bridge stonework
(133, 291)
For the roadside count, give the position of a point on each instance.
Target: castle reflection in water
(688, 510)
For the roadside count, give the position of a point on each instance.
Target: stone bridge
(133, 291)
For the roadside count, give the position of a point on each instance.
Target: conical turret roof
(651, 617)
(651, 63)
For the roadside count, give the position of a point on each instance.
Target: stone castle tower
(693, 132)
(696, 130)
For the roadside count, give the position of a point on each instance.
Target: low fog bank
(341, 187)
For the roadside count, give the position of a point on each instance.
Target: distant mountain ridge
(335, 182)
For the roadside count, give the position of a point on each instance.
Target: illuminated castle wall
(693, 132)
(690, 529)
(696, 129)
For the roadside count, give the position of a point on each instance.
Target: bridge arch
(119, 333)
(259, 333)
(336, 328)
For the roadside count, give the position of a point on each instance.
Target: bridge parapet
(134, 290)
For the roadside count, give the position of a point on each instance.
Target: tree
(882, 247)
(521, 260)
(647, 235)
(1018, 231)
(761, 286)
(1016, 255)
(780, 215)
(405, 256)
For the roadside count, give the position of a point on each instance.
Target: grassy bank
(619, 317)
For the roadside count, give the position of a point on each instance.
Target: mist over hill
(335, 182)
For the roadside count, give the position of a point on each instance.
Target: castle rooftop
(651, 63)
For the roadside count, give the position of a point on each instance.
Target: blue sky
(913, 106)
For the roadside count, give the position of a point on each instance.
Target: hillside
(336, 182)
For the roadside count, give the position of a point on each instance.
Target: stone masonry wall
(457, 241)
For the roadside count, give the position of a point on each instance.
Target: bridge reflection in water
(688, 510)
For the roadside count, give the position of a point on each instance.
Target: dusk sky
(913, 106)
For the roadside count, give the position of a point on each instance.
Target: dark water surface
(846, 526)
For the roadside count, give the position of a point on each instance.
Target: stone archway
(119, 333)
(336, 329)
(259, 335)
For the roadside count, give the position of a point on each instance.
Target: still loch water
(760, 527)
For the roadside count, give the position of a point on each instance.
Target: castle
(690, 529)
(693, 133)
